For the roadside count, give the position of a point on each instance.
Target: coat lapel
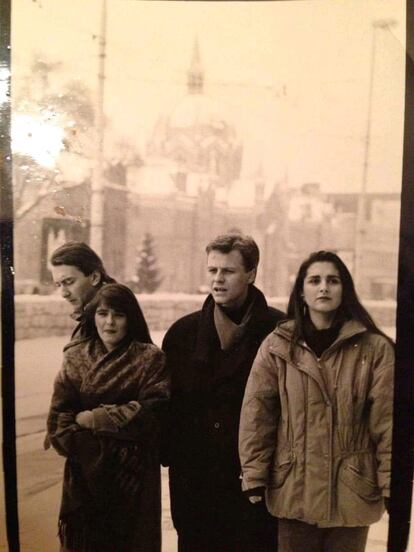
(240, 356)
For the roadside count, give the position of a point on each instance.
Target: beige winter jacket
(323, 459)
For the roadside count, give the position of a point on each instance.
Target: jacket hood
(349, 329)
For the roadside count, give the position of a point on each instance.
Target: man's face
(229, 280)
(75, 287)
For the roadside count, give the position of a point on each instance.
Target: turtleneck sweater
(320, 340)
(236, 315)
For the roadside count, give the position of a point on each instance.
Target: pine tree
(147, 278)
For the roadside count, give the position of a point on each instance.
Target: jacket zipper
(328, 404)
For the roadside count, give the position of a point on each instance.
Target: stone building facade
(61, 216)
(305, 219)
(181, 194)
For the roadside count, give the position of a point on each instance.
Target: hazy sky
(293, 76)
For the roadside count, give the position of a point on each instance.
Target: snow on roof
(151, 179)
(241, 194)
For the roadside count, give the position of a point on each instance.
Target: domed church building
(180, 194)
(196, 138)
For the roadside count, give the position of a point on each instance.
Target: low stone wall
(44, 315)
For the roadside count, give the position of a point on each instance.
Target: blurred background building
(195, 174)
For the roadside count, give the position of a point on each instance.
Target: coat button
(217, 425)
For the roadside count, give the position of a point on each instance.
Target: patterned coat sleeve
(128, 420)
(65, 404)
(131, 420)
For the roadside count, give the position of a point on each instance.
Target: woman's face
(112, 325)
(322, 292)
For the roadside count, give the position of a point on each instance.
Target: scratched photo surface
(147, 128)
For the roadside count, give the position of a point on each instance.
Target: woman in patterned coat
(104, 418)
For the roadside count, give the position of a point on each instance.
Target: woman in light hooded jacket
(316, 421)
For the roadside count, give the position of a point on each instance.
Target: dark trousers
(255, 531)
(219, 541)
(210, 515)
(297, 536)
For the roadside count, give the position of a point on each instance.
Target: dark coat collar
(257, 329)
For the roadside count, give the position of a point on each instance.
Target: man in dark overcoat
(210, 353)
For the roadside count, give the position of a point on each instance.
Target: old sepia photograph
(207, 201)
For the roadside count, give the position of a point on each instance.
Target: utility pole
(360, 223)
(97, 188)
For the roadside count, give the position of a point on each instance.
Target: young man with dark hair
(78, 272)
(210, 354)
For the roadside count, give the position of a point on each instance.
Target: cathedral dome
(195, 135)
(195, 110)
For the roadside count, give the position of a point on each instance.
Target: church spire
(195, 75)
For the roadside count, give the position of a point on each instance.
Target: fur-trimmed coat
(111, 489)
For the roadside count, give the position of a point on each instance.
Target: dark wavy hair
(121, 299)
(247, 247)
(83, 257)
(350, 307)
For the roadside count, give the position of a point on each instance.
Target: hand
(85, 419)
(255, 495)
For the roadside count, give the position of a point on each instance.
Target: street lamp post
(360, 225)
(97, 188)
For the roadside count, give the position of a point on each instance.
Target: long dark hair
(350, 307)
(119, 298)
